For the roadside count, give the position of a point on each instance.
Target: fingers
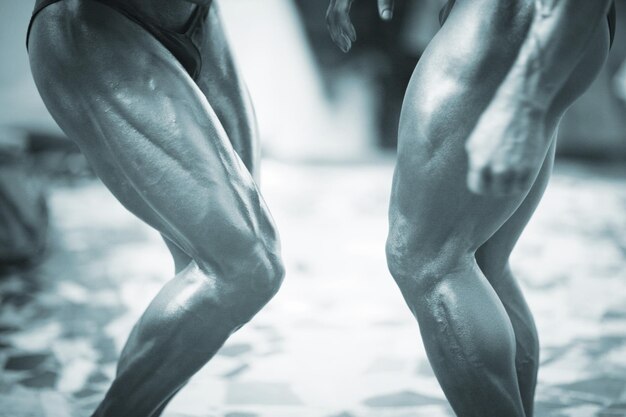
(339, 25)
(341, 30)
(499, 182)
(385, 9)
(500, 168)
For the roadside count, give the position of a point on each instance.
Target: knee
(259, 275)
(244, 252)
(250, 281)
(399, 261)
(200, 292)
(408, 267)
(418, 263)
(266, 274)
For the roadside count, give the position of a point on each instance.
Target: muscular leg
(493, 259)
(225, 89)
(156, 143)
(181, 261)
(510, 138)
(223, 85)
(437, 224)
(493, 255)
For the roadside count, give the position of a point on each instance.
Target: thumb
(385, 9)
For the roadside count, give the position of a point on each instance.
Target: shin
(184, 326)
(466, 331)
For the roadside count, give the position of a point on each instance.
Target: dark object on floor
(23, 210)
(25, 362)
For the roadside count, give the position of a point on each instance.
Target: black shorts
(184, 45)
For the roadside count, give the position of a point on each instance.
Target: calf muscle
(155, 141)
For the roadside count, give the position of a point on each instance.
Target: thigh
(149, 132)
(494, 254)
(451, 86)
(222, 83)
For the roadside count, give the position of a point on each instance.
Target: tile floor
(338, 340)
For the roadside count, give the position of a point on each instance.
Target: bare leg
(159, 411)
(437, 224)
(226, 90)
(493, 256)
(223, 86)
(181, 261)
(509, 140)
(155, 141)
(493, 259)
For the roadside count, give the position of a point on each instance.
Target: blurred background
(76, 269)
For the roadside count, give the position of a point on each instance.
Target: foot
(507, 147)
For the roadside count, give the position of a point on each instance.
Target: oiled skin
(448, 248)
(511, 136)
(174, 153)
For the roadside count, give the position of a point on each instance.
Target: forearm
(559, 34)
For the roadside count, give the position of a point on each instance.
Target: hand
(499, 172)
(506, 150)
(339, 25)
